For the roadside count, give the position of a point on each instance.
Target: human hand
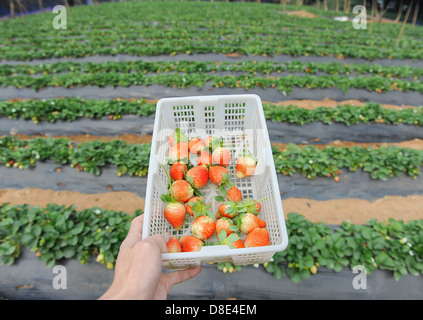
(138, 269)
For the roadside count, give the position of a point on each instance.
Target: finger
(159, 241)
(181, 276)
(135, 232)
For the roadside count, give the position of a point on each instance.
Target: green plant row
(250, 66)
(396, 246)
(91, 157)
(284, 83)
(71, 109)
(380, 163)
(153, 28)
(58, 232)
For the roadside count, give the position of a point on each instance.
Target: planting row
(71, 109)
(133, 159)
(249, 66)
(58, 232)
(152, 28)
(285, 84)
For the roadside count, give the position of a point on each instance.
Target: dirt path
(331, 211)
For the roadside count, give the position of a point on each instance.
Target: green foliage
(133, 159)
(71, 109)
(396, 246)
(381, 163)
(58, 232)
(150, 28)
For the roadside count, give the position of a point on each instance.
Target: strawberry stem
(168, 176)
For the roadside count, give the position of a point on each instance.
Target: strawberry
(173, 245)
(221, 156)
(188, 205)
(177, 171)
(257, 238)
(237, 244)
(175, 213)
(203, 227)
(177, 136)
(179, 152)
(234, 194)
(218, 174)
(245, 165)
(227, 210)
(197, 176)
(191, 244)
(181, 190)
(212, 143)
(196, 145)
(249, 222)
(199, 208)
(232, 240)
(225, 224)
(205, 159)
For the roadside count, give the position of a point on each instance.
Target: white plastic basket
(240, 121)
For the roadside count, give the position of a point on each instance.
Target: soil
(330, 211)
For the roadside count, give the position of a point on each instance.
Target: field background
(77, 112)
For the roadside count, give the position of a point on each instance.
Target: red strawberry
(257, 238)
(226, 210)
(234, 194)
(175, 213)
(191, 244)
(245, 166)
(196, 145)
(177, 136)
(188, 206)
(173, 245)
(203, 227)
(181, 190)
(249, 222)
(179, 152)
(221, 156)
(238, 244)
(205, 159)
(225, 224)
(197, 176)
(218, 175)
(177, 171)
